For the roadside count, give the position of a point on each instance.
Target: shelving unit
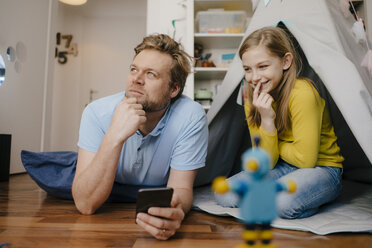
(210, 78)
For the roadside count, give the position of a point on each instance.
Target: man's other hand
(162, 223)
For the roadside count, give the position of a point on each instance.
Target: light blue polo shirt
(179, 141)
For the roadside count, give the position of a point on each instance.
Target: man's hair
(181, 61)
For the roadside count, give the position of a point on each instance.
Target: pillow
(55, 171)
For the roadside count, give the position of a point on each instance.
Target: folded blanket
(351, 212)
(54, 172)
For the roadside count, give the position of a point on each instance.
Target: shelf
(224, 35)
(218, 41)
(210, 73)
(211, 69)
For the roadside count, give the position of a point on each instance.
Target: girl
(291, 119)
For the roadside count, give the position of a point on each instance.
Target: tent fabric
(225, 148)
(333, 59)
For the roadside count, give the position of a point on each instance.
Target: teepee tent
(332, 56)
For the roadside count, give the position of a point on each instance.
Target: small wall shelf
(209, 73)
(208, 35)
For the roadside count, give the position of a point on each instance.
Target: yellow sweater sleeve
(305, 111)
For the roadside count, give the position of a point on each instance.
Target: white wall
(65, 114)
(106, 33)
(23, 95)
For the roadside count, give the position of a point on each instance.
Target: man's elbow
(82, 204)
(86, 212)
(85, 208)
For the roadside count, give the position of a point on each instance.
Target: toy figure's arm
(221, 186)
(239, 187)
(289, 186)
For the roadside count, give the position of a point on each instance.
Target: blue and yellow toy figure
(257, 194)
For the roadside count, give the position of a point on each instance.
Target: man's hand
(162, 223)
(263, 101)
(128, 117)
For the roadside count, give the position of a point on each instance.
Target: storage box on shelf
(221, 21)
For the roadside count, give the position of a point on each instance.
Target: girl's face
(261, 66)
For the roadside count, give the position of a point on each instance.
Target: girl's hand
(162, 223)
(263, 101)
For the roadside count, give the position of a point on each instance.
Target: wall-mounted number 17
(72, 48)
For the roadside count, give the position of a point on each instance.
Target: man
(149, 135)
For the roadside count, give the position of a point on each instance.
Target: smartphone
(153, 197)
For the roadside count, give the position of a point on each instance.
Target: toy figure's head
(256, 161)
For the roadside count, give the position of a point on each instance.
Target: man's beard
(150, 107)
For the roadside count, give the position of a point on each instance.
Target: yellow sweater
(310, 140)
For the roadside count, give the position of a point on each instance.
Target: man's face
(149, 79)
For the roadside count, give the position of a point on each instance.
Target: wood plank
(205, 243)
(33, 222)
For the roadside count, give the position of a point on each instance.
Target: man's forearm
(182, 183)
(92, 185)
(186, 198)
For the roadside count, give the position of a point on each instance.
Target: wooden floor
(31, 218)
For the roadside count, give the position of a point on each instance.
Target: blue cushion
(55, 171)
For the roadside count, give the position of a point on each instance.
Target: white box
(220, 21)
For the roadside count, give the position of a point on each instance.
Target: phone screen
(154, 197)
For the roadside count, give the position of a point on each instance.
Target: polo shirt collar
(161, 124)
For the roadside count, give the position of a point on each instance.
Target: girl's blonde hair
(278, 43)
